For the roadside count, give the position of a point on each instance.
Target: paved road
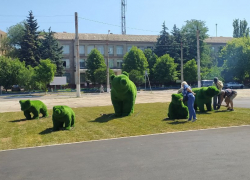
(215, 154)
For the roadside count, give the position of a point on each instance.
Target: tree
(163, 44)
(165, 69)
(151, 58)
(45, 72)
(136, 77)
(9, 71)
(95, 61)
(240, 28)
(27, 79)
(236, 55)
(190, 71)
(30, 44)
(101, 75)
(135, 60)
(50, 49)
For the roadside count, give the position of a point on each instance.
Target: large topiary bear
(35, 107)
(177, 109)
(204, 97)
(63, 115)
(123, 94)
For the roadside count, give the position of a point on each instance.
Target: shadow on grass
(20, 120)
(222, 111)
(175, 121)
(46, 131)
(105, 118)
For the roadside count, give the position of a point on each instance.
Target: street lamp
(108, 85)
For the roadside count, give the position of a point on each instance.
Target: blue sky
(99, 16)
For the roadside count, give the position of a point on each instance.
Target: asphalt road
(215, 154)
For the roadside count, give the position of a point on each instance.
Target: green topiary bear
(123, 94)
(204, 97)
(177, 109)
(61, 115)
(35, 107)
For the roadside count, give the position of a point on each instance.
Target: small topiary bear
(35, 107)
(123, 94)
(204, 97)
(177, 109)
(61, 115)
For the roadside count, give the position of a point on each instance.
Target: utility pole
(198, 58)
(77, 76)
(123, 6)
(182, 78)
(108, 85)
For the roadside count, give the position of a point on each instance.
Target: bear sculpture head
(212, 91)
(59, 111)
(176, 99)
(121, 82)
(25, 104)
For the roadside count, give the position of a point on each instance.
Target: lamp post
(108, 85)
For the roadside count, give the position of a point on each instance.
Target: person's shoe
(231, 110)
(194, 120)
(218, 107)
(189, 119)
(228, 108)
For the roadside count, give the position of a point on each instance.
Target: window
(128, 48)
(111, 63)
(101, 49)
(81, 50)
(119, 50)
(82, 64)
(66, 63)
(90, 49)
(111, 50)
(119, 64)
(65, 49)
(141, 48)
(67, 77)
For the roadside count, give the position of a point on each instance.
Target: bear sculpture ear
(112, 77)
(125, 73)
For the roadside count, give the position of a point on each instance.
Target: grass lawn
(93, 123)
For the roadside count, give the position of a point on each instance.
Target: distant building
(2, 34)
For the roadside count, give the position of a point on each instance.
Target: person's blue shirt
(185, 92)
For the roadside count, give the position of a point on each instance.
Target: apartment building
(117, 45)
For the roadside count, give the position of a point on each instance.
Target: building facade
(117, 46)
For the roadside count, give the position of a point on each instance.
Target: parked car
(15, 88)
(233, 85)
(206, 83)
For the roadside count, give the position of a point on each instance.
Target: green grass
(93, 123)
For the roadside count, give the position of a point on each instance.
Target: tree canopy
(240, 28)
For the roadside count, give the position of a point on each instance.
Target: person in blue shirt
(187, 91)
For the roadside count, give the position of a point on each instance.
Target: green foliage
(101, 75)
(35, 107)
(236, 56)
(213, 72)
(95, 61)
(63, 115)
(10, 70)
(50, 49)
(151, 58)
(136, 77)
(204, 97)
(30, 44)
(135, 60)
(190, 71)
(123, 94)
(45, 72)
(177, 109)
(165, 69)
(240, 28)
(163, 44)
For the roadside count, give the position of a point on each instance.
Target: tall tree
(135, 60)
(240, 28)
(190, 71)
(45, 72)
(50, 49)
(95, 61)
(163, 44)
(165, 69)
(151, 58)
(30, 44)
